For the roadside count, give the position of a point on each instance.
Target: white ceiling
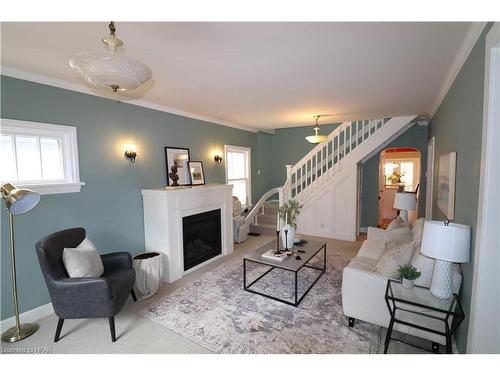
(258, 75)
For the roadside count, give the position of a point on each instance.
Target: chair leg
(58, 329)
(132, 293)
(112, 328)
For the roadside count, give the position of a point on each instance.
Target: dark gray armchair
(84, 297)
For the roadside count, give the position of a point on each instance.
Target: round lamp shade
(446, 242)
(19, 201)
(405, 201)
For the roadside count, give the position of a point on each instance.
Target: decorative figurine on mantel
(173, 175)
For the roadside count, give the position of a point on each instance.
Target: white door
(238, 171)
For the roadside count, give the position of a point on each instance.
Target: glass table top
(419, 295)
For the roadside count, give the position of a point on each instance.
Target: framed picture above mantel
(177, 159)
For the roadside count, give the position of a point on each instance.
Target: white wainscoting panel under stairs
(325, 181)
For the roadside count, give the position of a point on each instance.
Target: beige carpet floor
(137, 334)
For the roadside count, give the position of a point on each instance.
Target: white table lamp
(404, 202)
(447, 243)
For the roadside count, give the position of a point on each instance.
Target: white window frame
(69, 148)
(248, 151)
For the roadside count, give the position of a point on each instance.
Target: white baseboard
(29, 316)
(363, 230)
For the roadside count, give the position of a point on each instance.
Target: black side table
(418, 308)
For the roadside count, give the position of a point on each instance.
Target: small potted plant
(408, 274)
(289, 212)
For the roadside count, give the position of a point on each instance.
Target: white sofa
(363, 289)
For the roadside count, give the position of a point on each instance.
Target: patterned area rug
(215, 312)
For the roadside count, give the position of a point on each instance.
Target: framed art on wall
(177, 157)
(197, 173)
(446, 184)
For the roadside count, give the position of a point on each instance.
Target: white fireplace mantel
(164, 209)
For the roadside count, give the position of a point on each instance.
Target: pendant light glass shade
(316, 138)
(109, 69)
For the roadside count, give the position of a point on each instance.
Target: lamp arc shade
(19, 201)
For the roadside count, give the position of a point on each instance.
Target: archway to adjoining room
(399, 170)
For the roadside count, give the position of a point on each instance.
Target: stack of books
(271, 254)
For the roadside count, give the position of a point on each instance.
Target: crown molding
(473, 34)
(55, 82)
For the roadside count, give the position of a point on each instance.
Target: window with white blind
(238, 172)
(42, 157)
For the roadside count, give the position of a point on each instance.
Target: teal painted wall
(415, 137)
(457, 126)
(110, 204)
(264, 171)
(290, 146)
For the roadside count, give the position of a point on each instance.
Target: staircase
(265, 220)
(326, 180)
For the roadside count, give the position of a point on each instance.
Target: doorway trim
(484, 323)
(429, 175)
(382, 187)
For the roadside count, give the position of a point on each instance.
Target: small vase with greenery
(289, 212)
(408, 275)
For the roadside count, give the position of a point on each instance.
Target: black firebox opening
(202, 237)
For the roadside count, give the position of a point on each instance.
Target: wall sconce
(218, 159)
(130, 153)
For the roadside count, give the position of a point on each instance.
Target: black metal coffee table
(310, 250)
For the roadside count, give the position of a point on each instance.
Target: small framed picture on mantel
(197, 173)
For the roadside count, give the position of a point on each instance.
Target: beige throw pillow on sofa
(83, 261)
(395, 224)
(396, 237)
(389, 263)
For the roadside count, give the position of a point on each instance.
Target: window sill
(55, 188)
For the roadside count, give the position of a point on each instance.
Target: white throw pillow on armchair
(83, 261)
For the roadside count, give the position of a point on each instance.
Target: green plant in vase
(408, 274)
(289, 213)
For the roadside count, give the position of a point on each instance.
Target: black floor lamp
(18, 201)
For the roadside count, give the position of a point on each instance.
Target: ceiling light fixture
(109, 69)
(316, 138)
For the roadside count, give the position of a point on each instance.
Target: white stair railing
(252, 215)
(322, 161)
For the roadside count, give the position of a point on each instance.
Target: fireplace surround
(165, 212)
